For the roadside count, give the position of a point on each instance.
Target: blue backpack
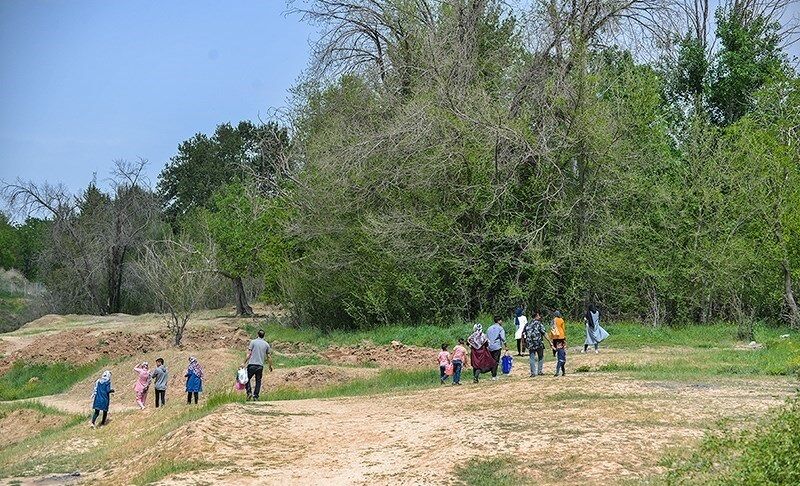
(507, 361)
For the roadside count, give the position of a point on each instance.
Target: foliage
(204, 164)
(495, 470)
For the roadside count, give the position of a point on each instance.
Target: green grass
(768, 453)
(6, 408)
(496, 471)
(385, 381)
(165, 469)
(25, 380)
(283, 361)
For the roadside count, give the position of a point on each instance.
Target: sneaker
(583, 351)
(596, 351)
(494, 378)
(475, 380)
(91, 426)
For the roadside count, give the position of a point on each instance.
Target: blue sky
(83, 83)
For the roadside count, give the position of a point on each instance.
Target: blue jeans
(457, 365)
(537, 360)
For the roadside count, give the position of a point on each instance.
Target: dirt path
(417, 438)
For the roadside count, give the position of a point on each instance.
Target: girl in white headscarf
(102, 397)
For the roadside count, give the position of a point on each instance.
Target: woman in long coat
(479, 354)
(594, 332)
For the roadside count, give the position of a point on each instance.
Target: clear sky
(83, 83)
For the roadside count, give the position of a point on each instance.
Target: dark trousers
(560, 368)
(442, 373)
(496, 356)
(161, 398)
(519, 347)
(586, 347)
(96, 413)
(258, 372)
(189, 397)
(457, 365)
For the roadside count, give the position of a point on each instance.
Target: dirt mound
(18, 425)
(86, 346)
(318, 376)
(396, 355)
(49, 320)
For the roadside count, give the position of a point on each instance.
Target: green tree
(247, 229)
(205, 163)
(9, 244)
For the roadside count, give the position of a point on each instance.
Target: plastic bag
(241, 376)
(448, 369)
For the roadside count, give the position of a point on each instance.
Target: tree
(204, 164)
(247, 229)
(9, 244)
(92, 237)
(178, 275)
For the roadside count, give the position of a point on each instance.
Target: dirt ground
(581, 429)
(20, 424)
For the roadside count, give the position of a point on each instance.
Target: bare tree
(93, 234)
(179, 275)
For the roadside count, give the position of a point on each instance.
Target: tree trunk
(115, 271)
(242, 307)
(794, 311)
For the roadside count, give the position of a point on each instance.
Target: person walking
(194, 380)
(535, 335)
(258, 352)
(480, 357)
(558, 332)
(102, 397)
(160, 378)
(497, 341)
(459, 360)
(519, 327)
(595, 334)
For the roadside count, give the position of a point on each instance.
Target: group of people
(485, 349)
(258, 354)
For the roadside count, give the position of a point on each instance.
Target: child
(194, 380)
(142, 383)
(444, 361)
(508, 361)
(160, 378)
(459, 359)
(561, 354)
(102, 397)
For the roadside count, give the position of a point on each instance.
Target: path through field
(594, 428)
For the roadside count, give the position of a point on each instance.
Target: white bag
(241, 376)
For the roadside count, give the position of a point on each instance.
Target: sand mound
(18, 425)
(397, 355)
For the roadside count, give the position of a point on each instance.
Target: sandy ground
(18, 425)
(580, 429)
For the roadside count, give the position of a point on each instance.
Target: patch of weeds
(768, 453)
(168, 468)
(583, 369)
(497, 471)
(577, 395)
(615, 366)
(25, 380)
(386, 381)
(296, 361)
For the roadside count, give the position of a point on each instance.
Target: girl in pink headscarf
(142, 383)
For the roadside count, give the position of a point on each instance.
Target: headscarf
(592, 316)
(518, 311)
(557, 313)
(105, 378)
(477, 339)
(144, 365)
(195, 367)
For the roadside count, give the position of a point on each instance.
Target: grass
(165, 469)
(6, 408)
(497, 471)
(25, 380)
(386, 381)
(768, 453)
